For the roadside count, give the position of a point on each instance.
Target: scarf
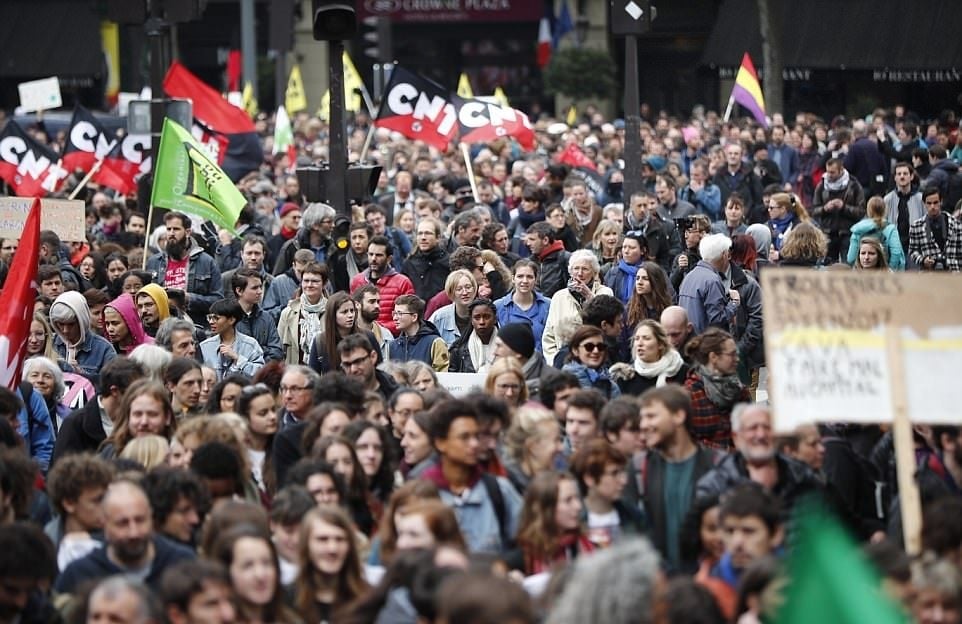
(722, 390)
(668, 366)
(570, 545)
(838, 185)
(550, 249)
(480, 352)
(781, 226)
(628, 285)
(309, 323)
(287, 234)
(529, 219)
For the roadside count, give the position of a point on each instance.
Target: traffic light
(377, 39)
(334, 20)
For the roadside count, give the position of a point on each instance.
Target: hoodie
(426, 346)
(159, 295)
(125, 306)
(91, 352)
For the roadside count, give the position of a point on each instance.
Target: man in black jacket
(669, 471)
(428, 267)
(551, 254)
(359, 360)
(738, 177)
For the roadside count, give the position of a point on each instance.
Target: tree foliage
(580, 73)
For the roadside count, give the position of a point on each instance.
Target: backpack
(953, 192)
(500, 510)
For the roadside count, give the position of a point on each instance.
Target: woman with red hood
(122, 325)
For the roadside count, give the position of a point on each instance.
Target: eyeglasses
(293, 389)
(212, 318)
(508, 387)
(591, 347)
(400, 313)
(312, 281)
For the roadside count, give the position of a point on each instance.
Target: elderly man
(703, 293)
(317, 223)
(132, 547)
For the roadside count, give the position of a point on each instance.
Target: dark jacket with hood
(426, 346)
(97, 565)
(285, 258)
(427, 271)
(261, 327)
(82, 431)
(553, 272)
(795, 479)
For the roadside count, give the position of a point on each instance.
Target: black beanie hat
(519, 338)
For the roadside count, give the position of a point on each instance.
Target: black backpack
(953, 192)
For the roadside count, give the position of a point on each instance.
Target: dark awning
(40, 38)
(844, 34)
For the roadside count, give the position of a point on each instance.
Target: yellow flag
(572, 116)
(464, 86)
(295, 100)
(500, 96)
(324, 110)
(248, 100)
(353, 86)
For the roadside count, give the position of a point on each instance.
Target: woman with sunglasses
(588, 359)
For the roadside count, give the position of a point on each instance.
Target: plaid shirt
(922, 243)
(711, 426)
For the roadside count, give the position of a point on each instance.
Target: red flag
(19, 293)
(419, 109)
(572, 155)
(31, 169)
(209, 107)
(128, 160)
(481, 121)
(233, 70)
(88, 142)
(544, 39)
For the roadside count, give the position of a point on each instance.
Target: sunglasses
(591, 347)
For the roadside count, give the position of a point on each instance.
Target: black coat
(81, 431)
(427, 271)
(795, 479)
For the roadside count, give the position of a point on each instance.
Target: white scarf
(838, 185)
(480, 353)
(309, 323)
(668, 365)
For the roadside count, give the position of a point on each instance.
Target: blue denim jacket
(91, 356)
(477, 518)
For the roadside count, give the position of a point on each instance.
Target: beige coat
(564, 317)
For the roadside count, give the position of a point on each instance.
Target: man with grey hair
(297, 394)
(621, 585)
(177, 336)
(702, 292)
(317, 223)
(465, 231)
(123, 600)
(757, 459)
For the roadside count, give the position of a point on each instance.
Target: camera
(684, 223)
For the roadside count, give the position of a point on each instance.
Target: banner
(419, 109)
(481, 121)
(19, 292)
(224, 128)
(88, 143)
(31, 169)
(63, 216)
(188, 180)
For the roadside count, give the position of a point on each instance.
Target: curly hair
(73, 474)
(804, 242)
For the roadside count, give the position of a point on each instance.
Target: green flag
(830, 581)
(187, 179)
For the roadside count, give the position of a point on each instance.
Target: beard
(370, 316)
(131, 551)
(177, 248)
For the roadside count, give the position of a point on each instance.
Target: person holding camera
(694, 228)
(935, 240)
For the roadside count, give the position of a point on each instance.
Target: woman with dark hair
(530, 211)
(256, 405)
(144, 410)
(809, 168)
(251, 560)
(744, 253)
(183, 380)
(473, 351)
(734, 221)
(94, 269)
(587, 359)
(340, 320)
(133, 280)
(715, 387)
(339, 453)
(550, 528)
(330, 574)
(375, 452)
(650, 296)
(416, 444)
(656, 362)
(116, 265)
(225, 392)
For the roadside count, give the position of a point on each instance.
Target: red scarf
(550, 249)
(570, 545)
(288, 234)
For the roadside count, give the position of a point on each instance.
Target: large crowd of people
(257, 426)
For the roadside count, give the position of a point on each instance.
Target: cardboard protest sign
(460, 384)
(826, 345)
(63, 216)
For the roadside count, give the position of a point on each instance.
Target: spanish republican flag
(748, 91)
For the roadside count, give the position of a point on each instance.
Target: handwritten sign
(63, 216)
(825, 336)
(40, 95)
(460, 384)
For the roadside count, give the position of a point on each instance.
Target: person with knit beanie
(516, 341)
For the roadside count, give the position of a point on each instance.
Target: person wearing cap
(152, 307)
(290, 215)
(516, 341)
(621, 277)
(473, 352)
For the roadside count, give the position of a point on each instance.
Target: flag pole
(93, 171)
(147, 234)
(728, 110)
(467, 166)
(367, 144)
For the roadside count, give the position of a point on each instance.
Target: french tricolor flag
(545, 37)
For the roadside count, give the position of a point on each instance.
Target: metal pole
(156, 29)
(248, 43)
(337, 182)
(280, 78)
(633, 182)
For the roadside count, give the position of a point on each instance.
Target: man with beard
(756, 459)
(185, 266)
(153, 307)
(368, 300)
(132, 548)
(347, 264)
(380, 272)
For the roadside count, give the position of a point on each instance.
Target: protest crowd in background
(257, 426)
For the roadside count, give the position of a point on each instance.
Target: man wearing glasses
(417, 339)
(297, 394)
(359, 360)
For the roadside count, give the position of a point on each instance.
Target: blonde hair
(805, 242)
(605, 226)
(525, 428)
(149, 451)
(452, 282)
(876, 211)
(507, 365)
(793, 204)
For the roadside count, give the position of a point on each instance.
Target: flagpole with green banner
(188, 180)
